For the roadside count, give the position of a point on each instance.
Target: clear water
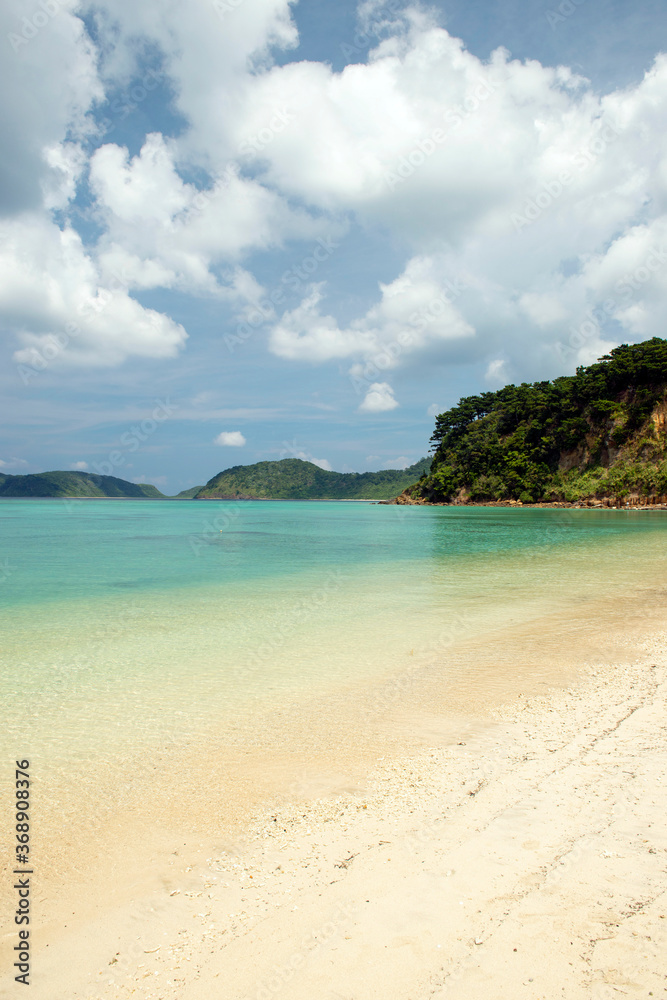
(129, 623)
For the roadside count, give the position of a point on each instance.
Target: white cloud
(54, 301)
(434, 409)
(67, 161)
(230, 439)
(163, 232)
(415, 311)
(208, 55)
(542, 197)
(291, 449)
(516, 175)
(79, 466)
(543, 310)
(158, 230)
(378, 399)
(49, 78)
(305, 456)
(496, 372)
(13, 463)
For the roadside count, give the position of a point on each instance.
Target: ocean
(256, 640)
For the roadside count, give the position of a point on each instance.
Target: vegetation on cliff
(598, 433)
(294, 479)
(74, 484)
(188, 494)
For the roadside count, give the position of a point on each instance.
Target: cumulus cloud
(54, 301)
(13, 463)
(79, 466)
(51, 74)
(496, 372)
(163, 232)
(230, 439)
(305, 456)
(209, 56)
(414, 311)
(157, 230)
(291, 449)
(533, 210)
(378, 399)
(538, 190)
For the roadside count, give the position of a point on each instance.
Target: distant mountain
(294, 479)
(187, 494)
(74, 484)
(599, 434)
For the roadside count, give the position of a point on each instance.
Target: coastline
(537, 828)
(633, 503)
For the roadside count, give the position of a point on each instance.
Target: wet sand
(490, 839)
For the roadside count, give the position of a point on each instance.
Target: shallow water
(140, 628)
(124, 620)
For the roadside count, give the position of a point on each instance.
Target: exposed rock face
(659, 421)
(573, 459)
(405, 498)
(599, 435)
(656, 502)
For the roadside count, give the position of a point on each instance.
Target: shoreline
(591, 504)
(513, 854)
(394, 501)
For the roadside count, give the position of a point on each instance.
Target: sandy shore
(521, 857)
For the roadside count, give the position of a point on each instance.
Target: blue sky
(242, 230)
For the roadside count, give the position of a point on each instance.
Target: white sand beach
(522, 855)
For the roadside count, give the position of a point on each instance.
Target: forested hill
(600, 433)
(294, 479)
(74, 484)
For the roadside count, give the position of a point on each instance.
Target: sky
(243, 230)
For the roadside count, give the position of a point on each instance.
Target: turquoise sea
(130, 626)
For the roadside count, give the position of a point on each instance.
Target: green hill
(294, 479)
(188, 494)
(74, 484)
(600, 433)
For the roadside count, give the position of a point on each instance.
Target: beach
(385, 285)
(520, 854)
(370, 780)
